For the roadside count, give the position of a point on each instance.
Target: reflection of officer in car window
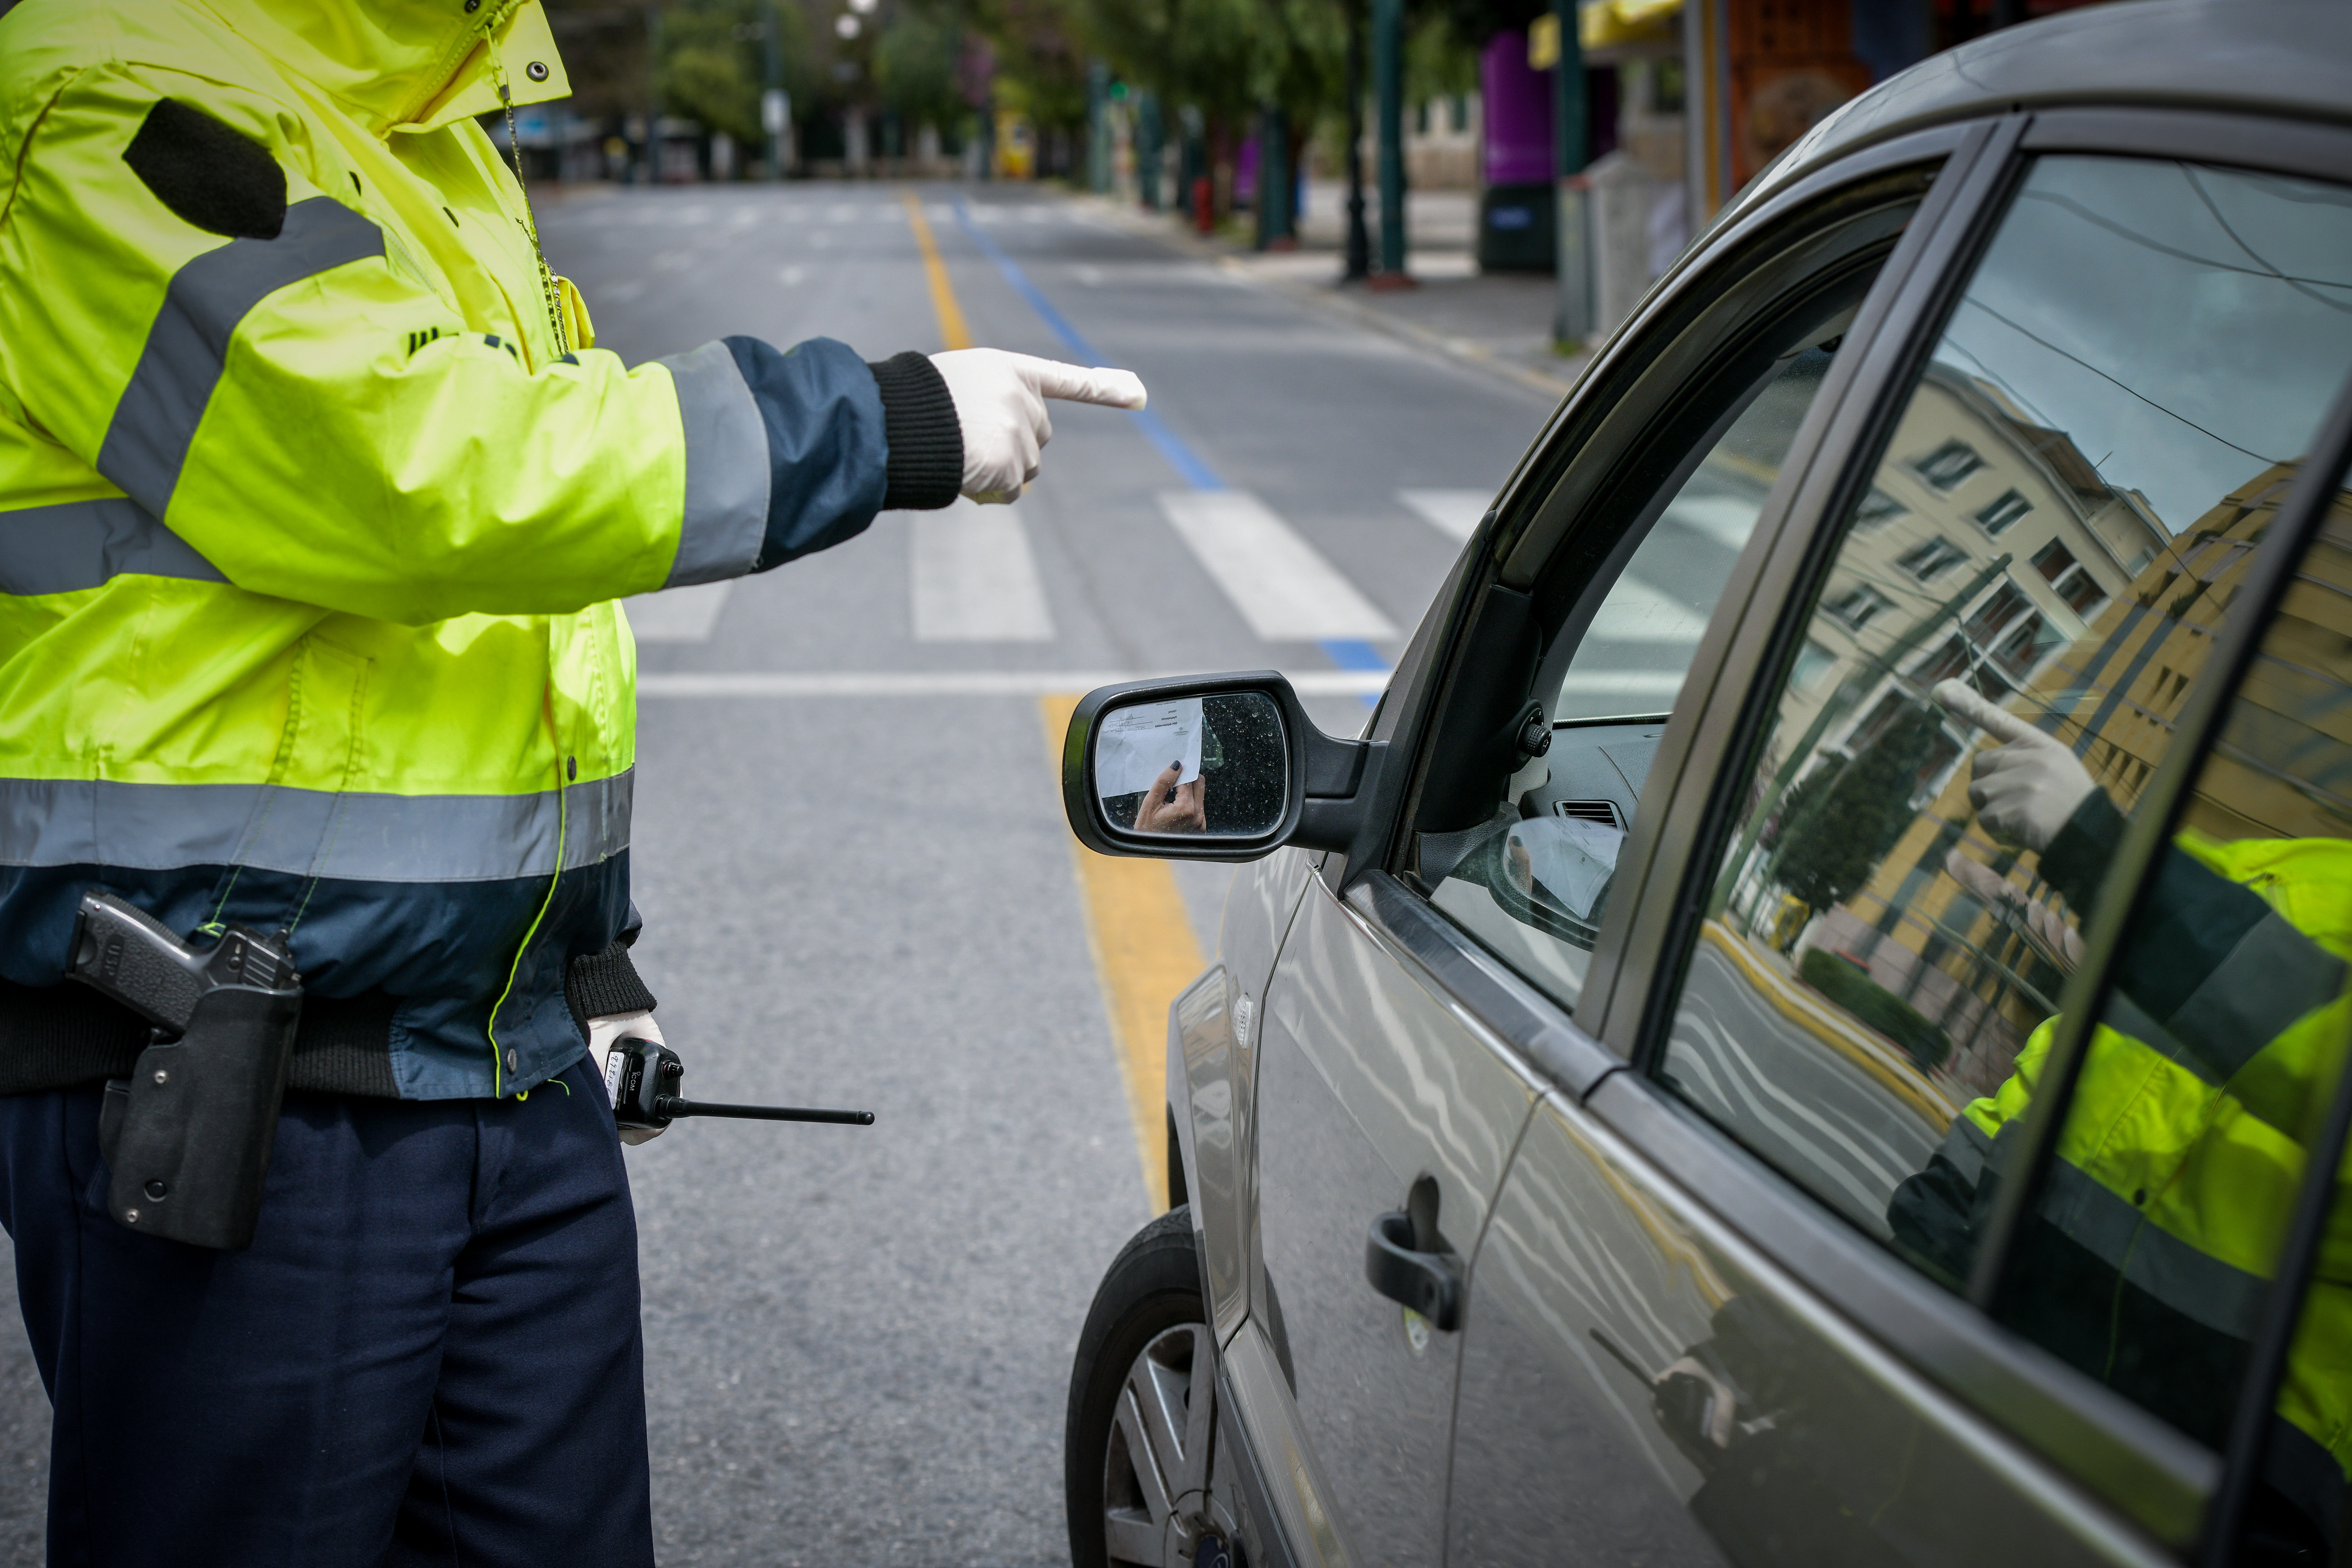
(2147, 1257)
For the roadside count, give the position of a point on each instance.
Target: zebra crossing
(972, 577)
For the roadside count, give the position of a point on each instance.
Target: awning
(1608, 24)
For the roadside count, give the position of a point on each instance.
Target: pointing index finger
(1076, 383)
(1965, 700)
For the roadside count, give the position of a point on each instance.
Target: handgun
(187, 1137)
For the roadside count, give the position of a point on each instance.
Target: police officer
(315, 498)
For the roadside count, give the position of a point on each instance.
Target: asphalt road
(851, 859)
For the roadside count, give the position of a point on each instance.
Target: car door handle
(1425, 1282)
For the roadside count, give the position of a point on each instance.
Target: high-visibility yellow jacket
(310, 529)
(2153, 1241)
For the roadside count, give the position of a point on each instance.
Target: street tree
(1835, 834)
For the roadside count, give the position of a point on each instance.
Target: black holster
(187, 1136)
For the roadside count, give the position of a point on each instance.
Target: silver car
(1809, 1026)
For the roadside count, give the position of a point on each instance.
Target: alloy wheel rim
(1155, 1470)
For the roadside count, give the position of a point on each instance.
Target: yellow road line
(1904, 1081)
(1144, 953)
(943, 300)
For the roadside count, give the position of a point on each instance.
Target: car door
(1936, 1213)
(1404, 1042)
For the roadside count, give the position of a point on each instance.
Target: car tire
(1136, 1441)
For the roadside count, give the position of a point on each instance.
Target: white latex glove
(2025, 788)
(601, 1033)
(1000, 403)
(2044, 924)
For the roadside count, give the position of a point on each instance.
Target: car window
(1533, 882)
(1632, 660)
(2017, 605)
(2144, 1257)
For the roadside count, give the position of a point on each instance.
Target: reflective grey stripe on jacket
(2196, 1284)
(147, 442)
(1967, 1147)
(726, 468)
(2272, 977)
(80, 544)
(354, 836)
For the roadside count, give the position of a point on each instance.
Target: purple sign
(1246, 171)
(1518, 104)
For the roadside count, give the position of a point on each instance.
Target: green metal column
(1388, 80)
(1097, 126)
(775, 107)
(1148, 149)
(1278, 187)
(1572, 309)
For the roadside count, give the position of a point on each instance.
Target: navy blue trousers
(430, 1354)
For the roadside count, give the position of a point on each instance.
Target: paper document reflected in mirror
(1135, 744)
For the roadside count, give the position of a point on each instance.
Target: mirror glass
(1216, 766)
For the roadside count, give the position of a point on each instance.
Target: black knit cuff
(918, 420)
(2076, 860)
(605, 983)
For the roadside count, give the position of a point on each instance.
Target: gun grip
(196, 1131)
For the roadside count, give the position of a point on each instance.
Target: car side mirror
(1216, 767)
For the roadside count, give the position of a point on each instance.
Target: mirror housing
(1327, 782)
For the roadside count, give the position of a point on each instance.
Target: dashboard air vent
(1601, 811)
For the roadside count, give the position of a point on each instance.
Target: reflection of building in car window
(2003, 511)
(1948, 464)
(1877, 506)
(1856, 606)
(2112, 694)
(1932, 560)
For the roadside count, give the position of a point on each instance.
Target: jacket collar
(406, 65)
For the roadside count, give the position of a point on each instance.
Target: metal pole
(1276, 189)
(652, 150)
(1573, 250)
(1148, 147)
(1360, 242)
(772, 101)
(1097, 126)
(1388, 76)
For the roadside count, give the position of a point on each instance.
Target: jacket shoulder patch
(208, 174)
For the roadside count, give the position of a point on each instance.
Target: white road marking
(1454, 513)
(1637, 611)
(677, 615)
(974, 577)
(1091, 277)
(961, 682)
(791, 276)
(1282, 585)
(1728, 518)
(619, 293)
(1600, 683)
(842, 214)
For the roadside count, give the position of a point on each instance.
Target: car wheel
(1136, 1448)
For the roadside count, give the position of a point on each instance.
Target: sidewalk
(1501, 321)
